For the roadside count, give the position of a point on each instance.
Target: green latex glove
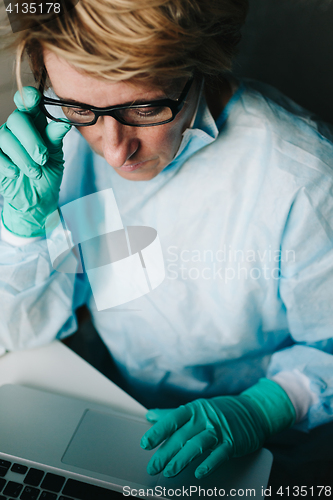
(31, 166)
(230, 426)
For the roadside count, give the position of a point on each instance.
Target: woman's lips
(132, 166)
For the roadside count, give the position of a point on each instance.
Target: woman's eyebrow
(128, 103)
(67, 99)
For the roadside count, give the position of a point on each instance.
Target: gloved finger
(173, 445)
(155, 415)
(7, 168)
(221, 454)
(200, 443)
(21, 125)
(17, 154)
(28, 101)
(165, 427)
(179, 457)
(54, 134)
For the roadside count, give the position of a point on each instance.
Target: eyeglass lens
(133, 116)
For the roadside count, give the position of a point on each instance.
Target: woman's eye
(76, 112)
(147, 112)
(150, 111)
(146, 115)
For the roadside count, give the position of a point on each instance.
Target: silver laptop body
(96, 453)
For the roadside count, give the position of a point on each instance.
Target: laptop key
(34, 477)
(3, 471)
(20, 469)
(2, 483)
(63, 498)
(53, 482)
(12, 489)
(46, 495)
(29, 493)
(5, 463)
(2, 497)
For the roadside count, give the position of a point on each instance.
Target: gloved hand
(230, 426)
(31, 166)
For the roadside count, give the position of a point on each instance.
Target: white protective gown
(244, 215)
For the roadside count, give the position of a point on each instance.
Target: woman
(236, 180)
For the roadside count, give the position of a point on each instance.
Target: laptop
(56, 447)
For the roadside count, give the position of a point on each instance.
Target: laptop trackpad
(110, 444)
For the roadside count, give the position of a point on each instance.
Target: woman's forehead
(70, 84)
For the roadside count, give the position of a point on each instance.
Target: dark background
(289, 44)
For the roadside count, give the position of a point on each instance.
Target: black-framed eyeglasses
(148, 114)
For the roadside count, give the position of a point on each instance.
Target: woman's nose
(119, 142)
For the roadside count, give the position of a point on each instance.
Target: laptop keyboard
(36, 484)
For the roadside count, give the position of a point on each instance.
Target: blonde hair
(152, 40)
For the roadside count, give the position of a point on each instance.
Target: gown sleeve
(37, 303)
(306, 289)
